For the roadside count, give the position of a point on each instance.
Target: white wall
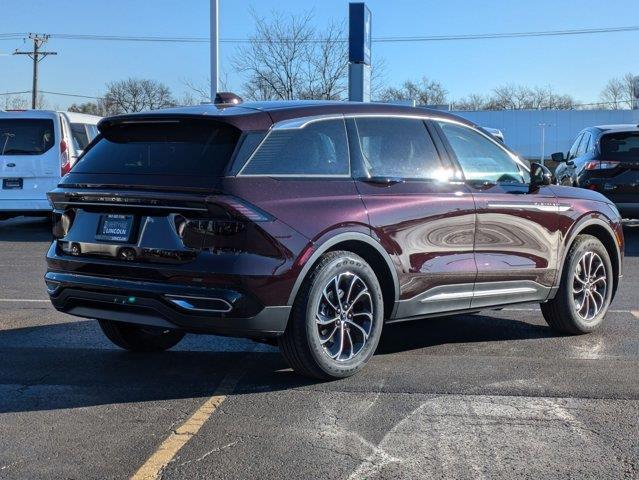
(523, 134)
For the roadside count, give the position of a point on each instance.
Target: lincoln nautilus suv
(312, 225)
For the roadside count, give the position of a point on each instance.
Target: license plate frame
(12, 183)
(114, 227)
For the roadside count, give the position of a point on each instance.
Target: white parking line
(635, 313)
(23, 300)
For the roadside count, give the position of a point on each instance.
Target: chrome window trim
(303, 122)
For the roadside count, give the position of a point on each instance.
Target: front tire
(585, 291)
(337, 318)
(140, 338)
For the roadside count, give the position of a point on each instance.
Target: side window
(80, 136)
(399, 147)
(573, 150)
(583, 146)
(480, 158)
(320, 148)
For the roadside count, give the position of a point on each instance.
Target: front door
(417, 211)
(517, 232)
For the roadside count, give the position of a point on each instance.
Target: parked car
(313, 224)
(37, 148)
(605, 159)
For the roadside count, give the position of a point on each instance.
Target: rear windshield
(180, 147)
(620, 146)
(22, 136)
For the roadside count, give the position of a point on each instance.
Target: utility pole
(215, 48)
(36, 55)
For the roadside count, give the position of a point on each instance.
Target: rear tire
(140, 338)
(585, 291)
(337, 318)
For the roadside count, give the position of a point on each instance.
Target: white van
(37, 148)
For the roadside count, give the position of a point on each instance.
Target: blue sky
(578, 65)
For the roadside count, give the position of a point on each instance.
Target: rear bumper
(164, 305)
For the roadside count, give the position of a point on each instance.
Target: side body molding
(346, 237)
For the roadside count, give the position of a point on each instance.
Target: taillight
(601, 165)
(65, 163)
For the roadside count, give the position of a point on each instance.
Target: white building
(522, 129)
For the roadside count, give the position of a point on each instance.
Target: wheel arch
(606, 235)
(370, 250)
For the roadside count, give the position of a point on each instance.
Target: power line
(387, 39)
(36, 55)
(63, 94)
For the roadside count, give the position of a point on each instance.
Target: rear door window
(318, 149)
(573, 150)
(399, 147)
(583, 146)
(620, 147)
(26, 136)
(180, 147)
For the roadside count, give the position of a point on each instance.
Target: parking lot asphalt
(491, 395)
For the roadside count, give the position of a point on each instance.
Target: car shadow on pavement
(25, 229)
(70, 365)
(401, 337)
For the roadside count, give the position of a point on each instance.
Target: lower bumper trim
(146, 307)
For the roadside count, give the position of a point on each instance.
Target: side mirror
(540, 176)
(558, 157)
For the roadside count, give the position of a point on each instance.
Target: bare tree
(618, 92)
(16, 102)
(327, 67)
(136, 95)
(521, 97)
(472, 102)
(92, 108)
(287, 58)
(423, 92)
(200, 92)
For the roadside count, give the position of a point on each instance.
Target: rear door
(517, 232)
(418, 211)
(29, 156)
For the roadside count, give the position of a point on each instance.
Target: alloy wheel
(590, 284)
(344, 316)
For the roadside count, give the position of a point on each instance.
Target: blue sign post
(359, 52)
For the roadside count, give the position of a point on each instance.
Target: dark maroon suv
(313, 224)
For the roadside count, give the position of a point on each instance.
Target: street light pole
(215, 49)
(543, 141)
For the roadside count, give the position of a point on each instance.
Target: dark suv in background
(605, 159)
(312, 224)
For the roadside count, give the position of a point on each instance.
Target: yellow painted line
(635, 313)
(153, 467)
